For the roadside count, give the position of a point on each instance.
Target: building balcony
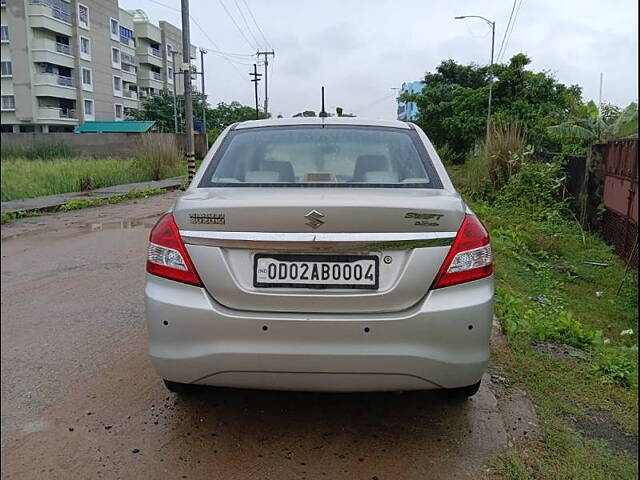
(130, 99)
(147, 30)
(52, 85)
(130, 94)
(63, 115)
(50, 51)
(149, 81)
(45, 14)
(145, 56)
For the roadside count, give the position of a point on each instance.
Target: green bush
(617, 365)
(537, 188)
(524, 318)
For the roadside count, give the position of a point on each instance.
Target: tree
(159, 108)
(598, 126)
(306, 113)
(453, 104)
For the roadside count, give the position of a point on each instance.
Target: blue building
(408, 111)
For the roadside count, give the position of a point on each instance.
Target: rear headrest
(285, 169)
(369, 163)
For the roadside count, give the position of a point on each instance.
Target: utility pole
(188, 106)
(493, 41)
(256, 78)
(175, 100)
(204, 98)
(266, 84)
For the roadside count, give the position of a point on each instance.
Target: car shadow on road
(335, 434)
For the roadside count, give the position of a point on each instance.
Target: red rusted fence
(620, 197)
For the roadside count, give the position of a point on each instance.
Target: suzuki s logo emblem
(314, 218)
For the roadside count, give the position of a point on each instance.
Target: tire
(179, 388)
(462, 393)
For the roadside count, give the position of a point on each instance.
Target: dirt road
(81, 400)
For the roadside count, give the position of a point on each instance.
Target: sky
(360, 50)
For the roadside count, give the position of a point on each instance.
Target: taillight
(167, 257)
(469, 257)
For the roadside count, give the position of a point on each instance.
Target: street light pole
(493, 41)
(204, 98)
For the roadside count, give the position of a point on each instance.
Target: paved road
(81, 400)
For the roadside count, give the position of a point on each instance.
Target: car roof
(285, 122)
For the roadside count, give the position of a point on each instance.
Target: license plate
(316, 271)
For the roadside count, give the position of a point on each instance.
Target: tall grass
(503, 156)
(38, 151)
(23, 178)
(157, 155)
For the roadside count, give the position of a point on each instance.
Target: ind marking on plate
(207, 218)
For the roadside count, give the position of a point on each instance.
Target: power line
(236, 24)
(215, 50)
(246, 24)
(375, 102)
(257, 26)
(506, 30)
(515, 17)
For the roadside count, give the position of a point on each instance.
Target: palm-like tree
(594, 128)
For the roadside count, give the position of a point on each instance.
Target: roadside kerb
(53, 202)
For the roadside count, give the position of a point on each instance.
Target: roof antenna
(323, 113)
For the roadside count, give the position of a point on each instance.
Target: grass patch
(38, 151)
(78, 203)
(547, 291)
(11, 216)
(24, 178)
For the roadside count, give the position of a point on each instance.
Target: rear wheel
(179, 388)
(462, 393)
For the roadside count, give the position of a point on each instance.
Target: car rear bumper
(443, 342)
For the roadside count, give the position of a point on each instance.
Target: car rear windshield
(333, 156)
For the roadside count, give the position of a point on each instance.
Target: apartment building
(408, 111)
(64, 62)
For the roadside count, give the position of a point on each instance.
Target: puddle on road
(79, 228)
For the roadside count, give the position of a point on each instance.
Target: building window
(87, 81)
(85, 48)
(115, 57)
(126, 36)
(5, 68)
(4, 33)
(117, 86)
(88, 109)
(169, 50)
(118, 112)
(83, 16)
(115, 29)
(8, 102)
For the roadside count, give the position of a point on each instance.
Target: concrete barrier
(98, 145)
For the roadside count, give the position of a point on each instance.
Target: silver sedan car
(322, 254)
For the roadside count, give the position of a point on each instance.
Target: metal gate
(620, 198)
